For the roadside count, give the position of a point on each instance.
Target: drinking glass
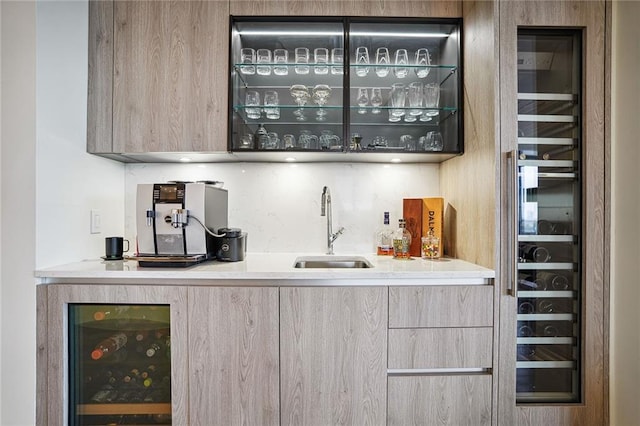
(280, 59)
(274, 141)
(271, 108)
(301, 96)
(263, 56)
(382, 58)
(431, 98)
(402, 58)
(252, 104)
(321, 58)
(307, 140)
(289, 141)
(247, 141)
(320, 96)
(415, 96)
(376, 100)
(302, 59)
(398, 98)
(362, 100)
(362, 59)
(337, 58)
(328, 139)
(248, 56)
(423, 58)
(434, 141)
(408, 143)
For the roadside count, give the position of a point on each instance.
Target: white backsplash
(278, 205)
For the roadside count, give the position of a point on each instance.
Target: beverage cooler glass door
(119, 364)
(404, 86)
(549, 211)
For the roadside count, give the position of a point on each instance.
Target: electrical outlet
(96, 222)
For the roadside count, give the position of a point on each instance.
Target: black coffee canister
(233, 246)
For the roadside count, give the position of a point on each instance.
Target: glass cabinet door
(345, 85)
(549, 217)
(119, 364)
(404, 80)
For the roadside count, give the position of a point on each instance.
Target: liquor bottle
(109, 346)
(430, 248)
(401, 241)
(384, 238)
(260, 137)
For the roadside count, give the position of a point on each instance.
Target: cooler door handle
(512, 221)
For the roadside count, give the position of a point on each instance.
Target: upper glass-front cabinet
(338, 85)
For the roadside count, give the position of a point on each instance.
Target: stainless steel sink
(349, 262)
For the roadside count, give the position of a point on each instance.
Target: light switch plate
(96, 222)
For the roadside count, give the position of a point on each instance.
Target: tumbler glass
(382, 58)
(398, 99)
(424, 60)
(252, 104)
(431, 98)
(248, 57)
(271, 105)
(280, 59)
(302, 60)
(337, 58)
(402, 58)
(263, 56)
(376, 100)
(321, 58)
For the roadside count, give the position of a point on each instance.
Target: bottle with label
(401, 241)
(384, 238)
(109, 346)
(430, 248)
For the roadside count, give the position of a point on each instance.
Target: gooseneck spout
(325, 210)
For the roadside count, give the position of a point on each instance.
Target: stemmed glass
(301, 96)
(362, 100)
(320, 96)
(376, 100)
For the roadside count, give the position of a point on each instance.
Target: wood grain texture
(100, 78)
(233, 356)
(333, 356)
(441, 306)
(386, 8)
(441, 347)
(41, 355)
(61, 295)
(589, 15)
(469, 183)
(453, 400)
(170, 76)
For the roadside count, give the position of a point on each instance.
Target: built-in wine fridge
(119, 364)
(547, 188)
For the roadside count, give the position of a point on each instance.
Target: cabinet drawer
(441, 306)
(440, 348)
(440, 400)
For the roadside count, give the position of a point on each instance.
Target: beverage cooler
(119, 364)
(547, 168)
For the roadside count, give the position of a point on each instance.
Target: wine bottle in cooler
(108, 346)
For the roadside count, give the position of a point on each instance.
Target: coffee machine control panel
(168, 192)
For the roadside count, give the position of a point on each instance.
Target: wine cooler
(119, 364)
(547, 186)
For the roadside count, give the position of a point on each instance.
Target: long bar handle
(512, 223)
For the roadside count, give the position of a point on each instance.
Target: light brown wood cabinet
(158, 77)
(333, 356)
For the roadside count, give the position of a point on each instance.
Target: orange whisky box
(433, 218)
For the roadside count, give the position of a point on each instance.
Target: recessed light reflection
(396, 160)
(185, 159)
(289, 159)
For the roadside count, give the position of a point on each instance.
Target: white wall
(69, 182)
(279, 204)
(625, 248)
(17, 289)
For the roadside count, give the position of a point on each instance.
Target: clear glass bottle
(384, 238)
(430, 248)
(401, 241)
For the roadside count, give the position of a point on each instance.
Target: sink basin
(349, 262)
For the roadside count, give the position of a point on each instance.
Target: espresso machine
(176, 222)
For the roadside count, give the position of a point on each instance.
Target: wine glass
(320, 95)
(376, 100)
(300, 94)
(362, 100)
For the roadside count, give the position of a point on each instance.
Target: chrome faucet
(325, 210)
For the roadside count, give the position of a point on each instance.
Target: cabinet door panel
(170, 76)
(333, 356)
(233, 356)
(441, 306)
(440, 347)
(440, 400)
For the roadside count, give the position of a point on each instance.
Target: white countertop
(273, 269)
